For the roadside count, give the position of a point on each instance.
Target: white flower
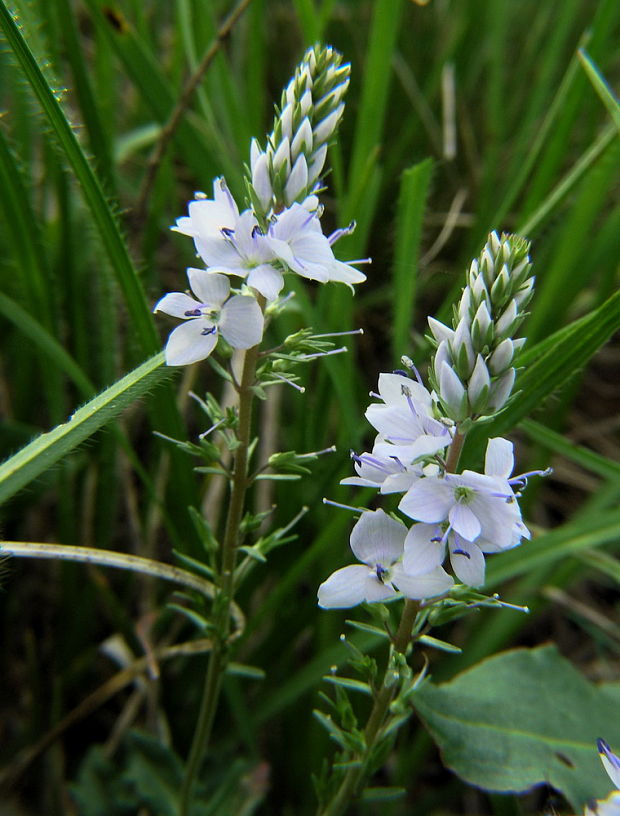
(207, 218)
(405, 420)
(610, 761)
(377, 541)
(479, 507)
(296, 238)
(243, 250)
(425, 549)
(383, 471)
(611, 805)
(605, 807)
(239, 319)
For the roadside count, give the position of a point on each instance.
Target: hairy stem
(356, 777)
(219, 654)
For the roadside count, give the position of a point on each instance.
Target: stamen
(461, 552)
(256, 230)
(340, 233)
(209, 430)
(380, 572)
(193, 313)
(227, 232)
(312, 454)
(210, 330)
(322, 354)
(343, 506)
(299, 388)
(407, 361)
(370, 460)
(522, 478)
(340, 334)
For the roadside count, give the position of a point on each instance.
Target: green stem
(219, 654)
(454, 452)
(355, 777)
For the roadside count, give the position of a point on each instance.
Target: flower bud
(452, 394)
(500, 390)
(479, 387)
(501, 357)
(297, 181)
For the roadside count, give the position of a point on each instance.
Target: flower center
(463, 495)
(381, 572)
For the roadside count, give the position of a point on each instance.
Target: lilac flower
(381, 470)
(296, 237)
(425, 549)
(377, 540)
(232, 243)
(605, 807)
(208, 217)
(611, 805)
(610, 761)
(405, 420)
(478, 507)
(239, 319)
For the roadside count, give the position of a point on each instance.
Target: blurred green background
(462, 117)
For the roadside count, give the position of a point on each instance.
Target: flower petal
(428, 499)
(424, 549)
(499, 459)
(210, 288)
(188, 343)
(467, 561)
(350, 586)
(177, 304)
(377, 538)
(610, 761)
(242, 322)
(417, 587)
(267, 280)
(463, 519)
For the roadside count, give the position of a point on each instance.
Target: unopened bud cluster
(472, 371)
(289, 169)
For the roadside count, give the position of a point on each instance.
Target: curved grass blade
(49, 448)
(550, 365)
(101, 211)
(600, 86)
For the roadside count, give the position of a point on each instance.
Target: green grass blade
(588, 459)
(550, 365)
(410, 214)
(530, 226)
(601, 87)
(554, 547)
(102, 214)
(49, 448)
(369, 124)
(46, 342)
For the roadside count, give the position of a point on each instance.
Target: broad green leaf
(47, 449)
(524, 718)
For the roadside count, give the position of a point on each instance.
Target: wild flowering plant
(450, 515)
(247, 256)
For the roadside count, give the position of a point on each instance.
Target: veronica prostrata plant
(435, 563)
(247, 256)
